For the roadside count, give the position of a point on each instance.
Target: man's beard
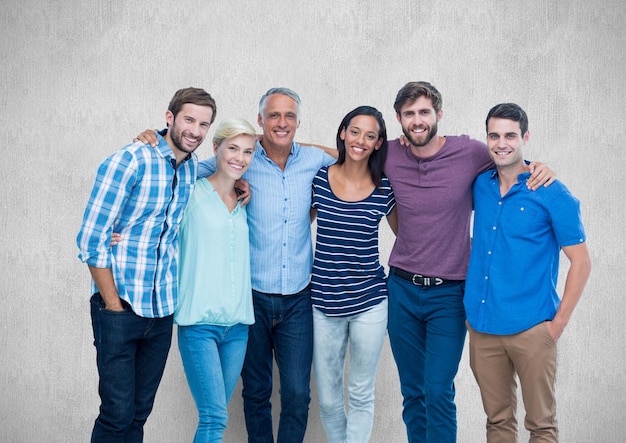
(417, 143)
(176, 137)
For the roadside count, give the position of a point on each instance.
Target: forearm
(392, 219)
(103, 278)
(207, 167)
(330, 151)
(574, 285)
(577, 276)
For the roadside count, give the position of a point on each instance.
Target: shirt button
(486, 277)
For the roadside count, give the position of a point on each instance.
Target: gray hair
(284, 91)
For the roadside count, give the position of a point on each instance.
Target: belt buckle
(420, 280)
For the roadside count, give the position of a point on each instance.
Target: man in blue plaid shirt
(139, 192)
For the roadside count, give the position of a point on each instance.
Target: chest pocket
(522, 222)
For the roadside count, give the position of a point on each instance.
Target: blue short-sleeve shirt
(514, 261)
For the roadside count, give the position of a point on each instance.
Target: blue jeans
(131, 356)
(427, 333)
(283, 328)
(212, 357)
(365, 332)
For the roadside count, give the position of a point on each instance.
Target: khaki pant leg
(534, 355)
(494, 373)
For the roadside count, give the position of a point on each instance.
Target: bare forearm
(574, 285)
(577, 276)
(106, 286)
(392, 219)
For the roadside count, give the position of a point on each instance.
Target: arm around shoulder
(540, 174)
(392, 219)
(330, 151)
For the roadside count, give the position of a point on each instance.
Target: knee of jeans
(118, 420)
(437, 391)
(361, 399)
(295, 398)
(330, 409)
(256, 392)
(215, 419)
(330, 404)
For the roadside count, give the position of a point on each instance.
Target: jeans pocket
(98, 302)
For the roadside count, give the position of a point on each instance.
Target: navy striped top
(347, 276)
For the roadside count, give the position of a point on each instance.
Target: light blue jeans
(365, 333)
(212, 357)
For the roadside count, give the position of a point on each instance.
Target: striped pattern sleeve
(347, 275)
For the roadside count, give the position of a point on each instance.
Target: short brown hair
(414, 90)
(195, 96)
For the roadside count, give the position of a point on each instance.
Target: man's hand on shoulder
(540, 174)
(148, 137)
(242, 187)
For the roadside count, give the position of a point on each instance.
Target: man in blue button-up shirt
(139, 192)
(514, 313)
(280, 176)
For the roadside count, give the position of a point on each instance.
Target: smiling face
(419, 121)
(188, 129)
(233, 155)
(279, 121)
(505, 143)
(361, 137)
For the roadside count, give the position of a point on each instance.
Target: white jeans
(365, 333)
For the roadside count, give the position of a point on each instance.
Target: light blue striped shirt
(139, 193)
(214, 263)
(281, 253)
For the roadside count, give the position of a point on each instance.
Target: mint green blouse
(214, 262)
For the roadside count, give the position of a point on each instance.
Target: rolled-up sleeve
(114, 180)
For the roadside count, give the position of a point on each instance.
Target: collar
(295, 148)
(166, 151)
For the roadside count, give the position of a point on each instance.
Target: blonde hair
(232, 127)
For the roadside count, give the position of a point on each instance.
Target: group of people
(244, 286)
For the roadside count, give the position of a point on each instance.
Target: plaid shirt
(139, 193)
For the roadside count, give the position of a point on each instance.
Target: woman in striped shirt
(348, 285)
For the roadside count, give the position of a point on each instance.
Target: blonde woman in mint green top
(214, 270)
(215, 298)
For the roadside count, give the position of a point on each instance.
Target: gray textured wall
(79, 79)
